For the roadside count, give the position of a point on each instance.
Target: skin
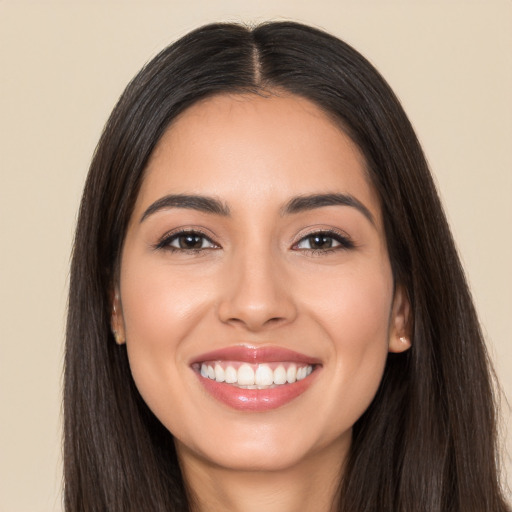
(257, 282)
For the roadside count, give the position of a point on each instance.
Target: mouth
(253, 376)
(255, 379)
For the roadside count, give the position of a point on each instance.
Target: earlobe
(401, 344)
(399, 332)
(117, 320)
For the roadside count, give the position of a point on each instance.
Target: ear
(399, 326)
(116, 319)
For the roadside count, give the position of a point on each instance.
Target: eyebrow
(201, 203)
(310, 202)
(295, 205)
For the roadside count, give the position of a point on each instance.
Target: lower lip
(256, 400)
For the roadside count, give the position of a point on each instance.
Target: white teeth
(245, 375)
(291, 374)
(264, 376)
(219, 373)
(230, 375)
(259, 376)
(280, 375)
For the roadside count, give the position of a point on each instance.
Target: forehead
(256, 148)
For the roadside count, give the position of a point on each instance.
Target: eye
(193, 241)
(324, 241)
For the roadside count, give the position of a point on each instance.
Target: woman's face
(256, 295)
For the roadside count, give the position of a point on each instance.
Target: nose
(256, 294)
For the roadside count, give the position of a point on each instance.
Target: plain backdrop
(63, 66)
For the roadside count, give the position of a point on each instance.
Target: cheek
(353, 305)
(159, 303)
(160, 309)
(353, 311)
(360, 326)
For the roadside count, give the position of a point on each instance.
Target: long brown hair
(428, 440)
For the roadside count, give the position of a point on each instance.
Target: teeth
(259, 376)
(231, 375)
(264, 376)
(280, 375)
(220, 375)
(291, 374)
(245, 375)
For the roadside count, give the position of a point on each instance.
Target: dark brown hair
(428, 440)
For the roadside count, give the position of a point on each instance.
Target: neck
(312, 485)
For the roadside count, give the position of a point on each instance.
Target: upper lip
(255, 355)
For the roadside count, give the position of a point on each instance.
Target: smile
(255, 379)
(255, 376)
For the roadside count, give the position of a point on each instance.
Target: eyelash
(166, 241)
(345, 243)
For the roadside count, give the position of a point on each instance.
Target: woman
(267, 311)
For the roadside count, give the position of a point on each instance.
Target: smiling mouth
(254, 376)
(256, 379)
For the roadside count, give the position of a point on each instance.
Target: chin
(262, 449)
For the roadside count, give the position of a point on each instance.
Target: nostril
(275, 320)
(255, 323)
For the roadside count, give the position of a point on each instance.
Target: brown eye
(190, 241)
(320, 242)
(186, 241)
(324, 241)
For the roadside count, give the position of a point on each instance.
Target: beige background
(63, 65)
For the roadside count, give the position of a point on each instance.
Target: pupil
(320, 242)
(191, 242)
